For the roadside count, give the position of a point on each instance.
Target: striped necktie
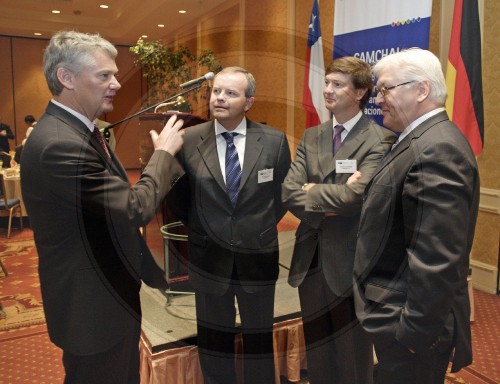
(233, 169)
(97, 134)
(337, 139)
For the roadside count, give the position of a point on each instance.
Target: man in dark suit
(86, 216)
(317, 191)
(232, 230)
(5, 135)
(416, 229)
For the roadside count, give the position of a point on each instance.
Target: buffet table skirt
(181, 365)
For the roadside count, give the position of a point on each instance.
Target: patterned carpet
(28, 356)
(20, 309)
(485, 341)
(26, 353)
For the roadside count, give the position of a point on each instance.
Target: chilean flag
(314, 79)
(463, 74)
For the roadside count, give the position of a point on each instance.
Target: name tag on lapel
(345, 166)
(265, 175)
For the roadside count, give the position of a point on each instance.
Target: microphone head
(209, 76)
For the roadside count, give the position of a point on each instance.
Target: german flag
(463, 74)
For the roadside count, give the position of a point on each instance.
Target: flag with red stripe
(464, 74)
(314, 79)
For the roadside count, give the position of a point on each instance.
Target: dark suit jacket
(85, 217)
(5, 145)
(219, 234)
(334, 237)
(4, 140)
(416, 231)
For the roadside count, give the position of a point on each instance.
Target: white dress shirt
(348, 125)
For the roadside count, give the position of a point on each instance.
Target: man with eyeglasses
(318, 190)
(416, 229)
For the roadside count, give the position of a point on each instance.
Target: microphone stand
(106, 132)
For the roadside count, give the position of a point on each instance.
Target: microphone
(199, 80)
(177, 102)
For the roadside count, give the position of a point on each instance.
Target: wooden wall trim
(490, 201)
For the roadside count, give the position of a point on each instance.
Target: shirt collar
(79, 116)
(415, 123)
(349, 124)
(240, 129)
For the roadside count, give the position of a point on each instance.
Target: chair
(10, 205)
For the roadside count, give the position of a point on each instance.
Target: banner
(314, 79)
(464, 74)
(373, 29)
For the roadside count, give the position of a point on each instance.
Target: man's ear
(65, 77)
(360, 93)
(424, 90)
(249, 103)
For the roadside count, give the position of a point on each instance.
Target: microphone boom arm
(193, 88)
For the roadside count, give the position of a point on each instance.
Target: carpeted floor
(26, 353)
(485, 340)
(21, 307)
(28, 356)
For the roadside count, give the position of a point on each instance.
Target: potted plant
(165, 67)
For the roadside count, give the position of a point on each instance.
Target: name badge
(265, 175)
(345, 166)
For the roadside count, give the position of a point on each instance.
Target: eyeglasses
(385, 90)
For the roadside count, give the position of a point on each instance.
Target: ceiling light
(161, 25)
(182, 11)
(144, 36)
(37, 34)
(104, 6)
(56, 11)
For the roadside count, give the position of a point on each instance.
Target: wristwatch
(304, 186)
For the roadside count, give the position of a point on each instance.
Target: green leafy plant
(165, 67)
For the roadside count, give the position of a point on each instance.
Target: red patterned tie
(100, 139)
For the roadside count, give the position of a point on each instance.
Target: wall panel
(31, 93)
(6, 82)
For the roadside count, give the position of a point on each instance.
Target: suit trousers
(118, 365)
(396, 364)
(338, 350)
(216, 318)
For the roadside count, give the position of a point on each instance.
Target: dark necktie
(100, 139)
(233, 169)
(337, 140)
